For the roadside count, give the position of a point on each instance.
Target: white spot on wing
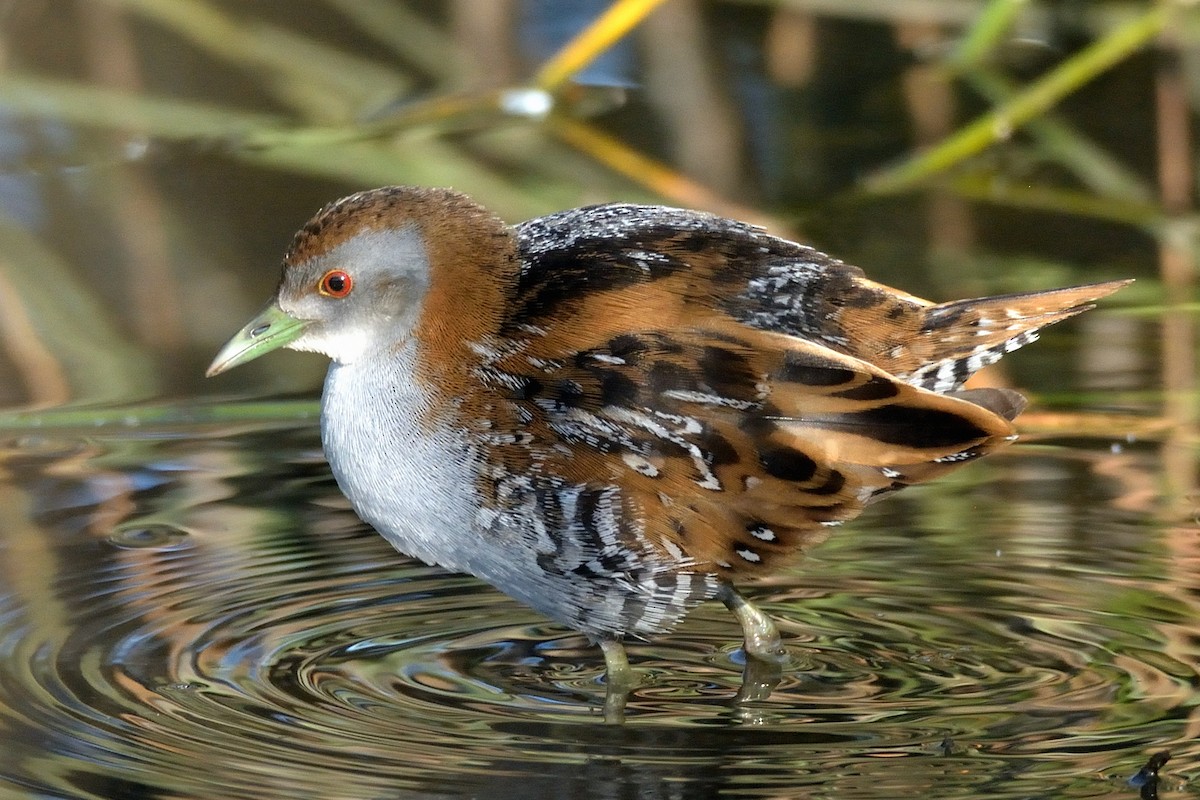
(640, 465)
(748, 554)
(764, 533)
(605, 358)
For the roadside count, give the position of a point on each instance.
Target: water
(192, 611)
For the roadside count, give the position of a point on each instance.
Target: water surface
(192, 611)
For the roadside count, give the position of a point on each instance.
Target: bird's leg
(616, 664)
(620, 679)
(762, 637)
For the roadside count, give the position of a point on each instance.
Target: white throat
(412, 482)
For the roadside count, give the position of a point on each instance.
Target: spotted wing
(685, 397)
(734, 446)
(587, 259)
(744, 392)
(936, 347)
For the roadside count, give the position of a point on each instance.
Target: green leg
(620, 679)
(762, 638)
(619, 673)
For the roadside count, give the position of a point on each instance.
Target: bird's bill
(271, 329)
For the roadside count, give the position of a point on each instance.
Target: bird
(616, 412)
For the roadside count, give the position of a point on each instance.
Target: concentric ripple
(199, 615)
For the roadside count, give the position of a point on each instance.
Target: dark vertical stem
(932, 107)
(1177, 262)
(135, 205)
(680, 81)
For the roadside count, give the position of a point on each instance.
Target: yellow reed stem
(620, 18)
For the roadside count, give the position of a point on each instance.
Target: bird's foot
(762, 637)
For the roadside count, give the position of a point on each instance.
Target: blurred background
(156, 155)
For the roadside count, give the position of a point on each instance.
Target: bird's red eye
(335, 283)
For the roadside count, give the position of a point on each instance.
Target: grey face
(362, 295)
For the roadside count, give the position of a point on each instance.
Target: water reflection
(195, 613)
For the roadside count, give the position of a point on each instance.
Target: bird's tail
(958, 338)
